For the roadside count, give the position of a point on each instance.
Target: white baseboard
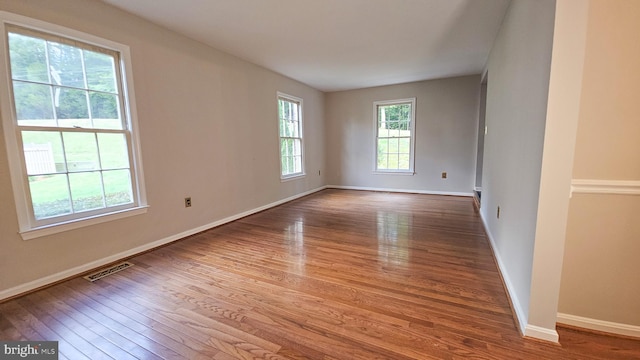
(541, 333)
(521, 318)
(50, 279)
(599, 325)
(410, 191)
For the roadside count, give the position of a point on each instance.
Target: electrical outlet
(444, 174)
(498, 213)
(187, 202)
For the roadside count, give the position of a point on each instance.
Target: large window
(395, 123)
(73, 142)
(290, 125)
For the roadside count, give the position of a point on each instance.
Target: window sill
(292, 177)
(405, 173)
(80, 223)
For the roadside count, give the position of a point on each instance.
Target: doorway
(482, 130)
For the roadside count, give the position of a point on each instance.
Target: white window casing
(91, 155)
(290, 137)
(394, 136)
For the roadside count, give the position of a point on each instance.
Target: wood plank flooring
(336, 275)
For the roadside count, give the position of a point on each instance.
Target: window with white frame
(73, 148)
(394, 142)
(290, 128)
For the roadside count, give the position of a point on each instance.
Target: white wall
(518, 67)
(563, 110)
(446, 120)
(208, 129)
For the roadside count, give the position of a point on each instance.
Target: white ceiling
(339, 44)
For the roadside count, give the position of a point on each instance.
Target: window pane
(383, 159)
(281, 124)
(294, 130)
(43, 152)
(298, 164)
(285, 147)
(284, 163)
(383, 146)
(33, 102)
(392, 112)
(297, 149)
(101, 75)
(291, 165)
(70, 104)
(404, 145)
(28, 58)
(393, 145)
(81, 151)
(393, 161)
(113, 124)
(117, 187)
(290, 147)
(390, 124)
(65, 65)
(105, 111)
(50, 195)
(287, 110)
(86, 191)
(113, 151)
(403, 162)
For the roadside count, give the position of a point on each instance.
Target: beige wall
(601, 267)
(446, 121)
(208, 130)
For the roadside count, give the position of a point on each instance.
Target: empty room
(335, 179)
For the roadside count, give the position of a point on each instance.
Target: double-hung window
(72, 150)
(395, 135)
(290, 127)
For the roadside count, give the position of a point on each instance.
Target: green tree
(397, 117)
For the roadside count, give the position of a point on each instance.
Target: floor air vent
(108, 271)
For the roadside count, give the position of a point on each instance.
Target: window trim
(291, 98)
(28, 228)
(412, 146)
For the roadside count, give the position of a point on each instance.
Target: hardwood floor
(335, 275)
